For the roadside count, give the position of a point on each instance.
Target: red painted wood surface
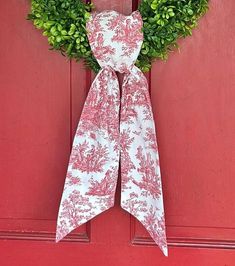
(193, 97)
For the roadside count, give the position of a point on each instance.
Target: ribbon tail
(141, 189)
(92, 173)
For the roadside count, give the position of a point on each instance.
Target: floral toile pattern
(112, 130)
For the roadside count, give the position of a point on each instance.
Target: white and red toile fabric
(115, 127)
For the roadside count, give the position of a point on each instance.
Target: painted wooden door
(193, 98)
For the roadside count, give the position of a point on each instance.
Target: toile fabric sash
(116, 127)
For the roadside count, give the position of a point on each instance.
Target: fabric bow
(115, 129)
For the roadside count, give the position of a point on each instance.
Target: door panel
(34, 134)
(194, 102)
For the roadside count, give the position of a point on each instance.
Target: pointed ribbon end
(165, 251)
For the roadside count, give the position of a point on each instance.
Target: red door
(193, 99)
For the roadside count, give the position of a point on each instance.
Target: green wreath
(165, 21)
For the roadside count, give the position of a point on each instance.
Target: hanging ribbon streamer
(110, 131)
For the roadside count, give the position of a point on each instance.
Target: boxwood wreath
(165, 21)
